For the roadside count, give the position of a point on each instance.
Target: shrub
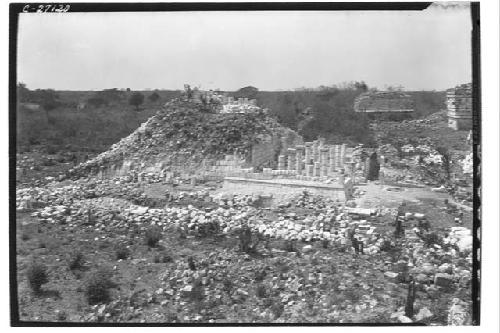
(290, 246)
(260, 274)
(197, 292)
(76, 261)
(386, 245)
(277, 309)
(325, 243)
(98, 285)
(432, 238)
(261, 291)
(162, 257)
(153, 236)
(122, 252)
(247, 240)
(37, 275)
(228, 285)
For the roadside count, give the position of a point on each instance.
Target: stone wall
(459, 105)
(384, 102)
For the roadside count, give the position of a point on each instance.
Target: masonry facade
(459, 105)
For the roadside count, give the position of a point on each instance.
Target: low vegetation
(37, 276)
(98, 285)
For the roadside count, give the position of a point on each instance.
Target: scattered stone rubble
(415, 158)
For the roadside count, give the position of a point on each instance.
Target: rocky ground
(157, 250)
(303, 268)
(426, 151)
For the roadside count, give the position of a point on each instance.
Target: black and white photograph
(246, 164)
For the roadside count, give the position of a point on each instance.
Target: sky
(425, 50)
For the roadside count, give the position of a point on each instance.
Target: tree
(47, 98)
(361, 86)
(136, 99)
(23, 93)
(154, 97)
(247, 92)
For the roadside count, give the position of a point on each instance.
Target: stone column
(315, 151)
(324, 161)
(316, 169)
(281, 162)
(337, 156)
(342, 154)
(309, 170)
(291, 159)
(298, 159)
(307, 153)
(331, 153)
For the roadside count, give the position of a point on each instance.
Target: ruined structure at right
(389, 105)
(459, 105)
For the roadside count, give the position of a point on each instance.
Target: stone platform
(281, 189)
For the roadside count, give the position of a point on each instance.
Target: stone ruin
(459, 105)
(313, 166)
(221, 102)
(394, 104)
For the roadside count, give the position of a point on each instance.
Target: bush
(431, 239)
(162, 257)
(37, 275)
(154, 97)
(136, 99)
(325, 243)
(153, 236)
(197, 292)
(122, 252)
(98, 285)
(261, 291)
(52, 150)
(291, 246)
(228, 285)
(248, 241)
(76, 261)
(277, 309)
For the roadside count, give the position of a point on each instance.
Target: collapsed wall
(183, 137)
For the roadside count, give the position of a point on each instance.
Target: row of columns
(313, 159)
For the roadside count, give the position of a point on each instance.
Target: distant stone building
(459, 105)
(385, 104)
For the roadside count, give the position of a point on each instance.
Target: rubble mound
(184, 133)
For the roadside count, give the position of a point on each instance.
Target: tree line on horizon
(325, 111)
